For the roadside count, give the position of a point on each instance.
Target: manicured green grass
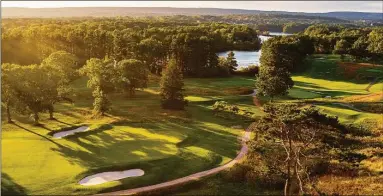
(323, 78)
(137, 133)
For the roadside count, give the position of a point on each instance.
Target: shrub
(370, 107)
(237, 173)
(225, 110)
(224, 106)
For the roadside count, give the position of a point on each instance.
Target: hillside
(146, 11)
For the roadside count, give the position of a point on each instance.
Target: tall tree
(62, 65)
(103, 79)
(274, 77)
(134, 74)
(231, 61)
(172, 87)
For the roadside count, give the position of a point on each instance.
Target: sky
(292, 6)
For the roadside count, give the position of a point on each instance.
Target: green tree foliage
(290, 141)
(134, 74)
(153, 53)
(103, 79)
(172, 87)
(358, 42)
(36, 88)
(231, 61)
(375, 39)
(9, 97)
(62, 65)
(294, 27)
(342, 47)
(359, 48)
(223, 67)
(274, 76)
(150, 40)
(66, 64)
(33, 86)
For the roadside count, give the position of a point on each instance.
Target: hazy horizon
(289, 6)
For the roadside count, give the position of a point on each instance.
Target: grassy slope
(322, 79)
(136, 134)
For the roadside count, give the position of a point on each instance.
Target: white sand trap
(110, 176)
(70, 132)
(252, 94)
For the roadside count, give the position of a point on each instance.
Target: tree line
(360, 43)
(150, 40)
(33, 89)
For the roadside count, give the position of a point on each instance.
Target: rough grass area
(324, 78)
(356, 105)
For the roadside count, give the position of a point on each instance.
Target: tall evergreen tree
(232, 62)
(172, 87)
(274, 77)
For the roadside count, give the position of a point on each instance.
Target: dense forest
(30, 41)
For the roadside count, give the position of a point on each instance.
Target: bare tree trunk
(286, 190)
(8, 114)
(288, 180)
(131, 92)
(294, 188)
(51, 110)
(36, 118)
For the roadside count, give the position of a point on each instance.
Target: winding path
(372, 83)
(193, 177)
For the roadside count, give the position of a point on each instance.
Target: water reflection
(246, 58)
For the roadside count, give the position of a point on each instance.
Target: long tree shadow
(42, 136)
(103, 148)
(57, 120)
(324, 93)
(10, 187)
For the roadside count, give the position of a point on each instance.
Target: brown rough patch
(350, 69)
(365, 98)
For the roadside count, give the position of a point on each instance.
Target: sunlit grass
(135, 133)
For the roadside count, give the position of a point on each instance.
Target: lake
(246, 58)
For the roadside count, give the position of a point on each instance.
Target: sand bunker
(253, 94)
(70, 132)
(110, 176)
